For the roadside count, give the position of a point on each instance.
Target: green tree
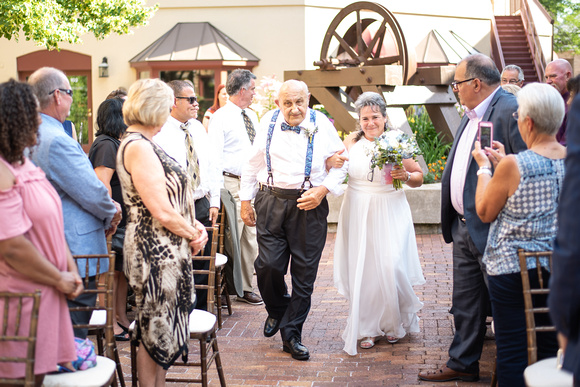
(50, 22)
(566, 15)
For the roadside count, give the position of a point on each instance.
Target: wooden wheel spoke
(344, 44)
(352, 48)
(362, 47)
(380, 34)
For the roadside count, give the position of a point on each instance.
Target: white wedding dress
(375, 255)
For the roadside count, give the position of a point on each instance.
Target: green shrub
(431, 143)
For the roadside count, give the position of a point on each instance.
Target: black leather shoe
(296, 349)
(271, 326)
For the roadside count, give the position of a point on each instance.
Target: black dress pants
(288, 236)
(470, 301)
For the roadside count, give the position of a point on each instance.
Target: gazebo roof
(199, 41)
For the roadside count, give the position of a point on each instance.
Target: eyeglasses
(510, 81)
(454, 84)
(68, 91)
(515, 115)
(191, 100)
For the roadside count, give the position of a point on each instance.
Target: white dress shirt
(288, 157)
(228, 132)
(171, 139)
(463, 154)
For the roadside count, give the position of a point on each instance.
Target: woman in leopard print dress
(161, 233)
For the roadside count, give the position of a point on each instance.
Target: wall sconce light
(104, 68)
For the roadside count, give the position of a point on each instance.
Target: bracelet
(485, 167)
(484, 171)
(408, 176)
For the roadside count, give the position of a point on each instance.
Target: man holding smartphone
(477, 82)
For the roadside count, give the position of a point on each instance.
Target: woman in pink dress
(33, 251)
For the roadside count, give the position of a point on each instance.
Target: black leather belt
(231, 175)
(282, 193)
(461, 218)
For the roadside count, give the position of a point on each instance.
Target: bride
(375, 260)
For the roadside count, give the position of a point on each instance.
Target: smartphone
(485, 134)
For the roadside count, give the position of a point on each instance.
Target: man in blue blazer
(564, 300)
(88, 210)
(477, 82)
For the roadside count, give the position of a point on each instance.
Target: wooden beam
(349, 76)
(339, 105)
(419, 95)
(445, 120)
(433, 75)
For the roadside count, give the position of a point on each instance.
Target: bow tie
(296, 129)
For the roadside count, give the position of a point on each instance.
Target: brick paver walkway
(250, 359)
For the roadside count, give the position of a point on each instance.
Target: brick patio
(250, 359)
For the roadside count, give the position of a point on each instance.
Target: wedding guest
(33, 250)
(564, 300)
(375, 255)
(89, 212)
(477, 83)
(178, 134)
(558, 73)
(221, 97)
(161, 233)
(103, 157)
(512, 75)
(232, 130)
(520, 199)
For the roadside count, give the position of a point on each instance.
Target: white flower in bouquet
(392, 147)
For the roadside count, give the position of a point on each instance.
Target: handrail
(533, 40)
(496, 51)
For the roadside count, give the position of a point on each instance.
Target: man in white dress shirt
(288, 160)
(232, 129)
(172, 139)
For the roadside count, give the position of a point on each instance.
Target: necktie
(249, 127)
(285, 126)
(192, 162)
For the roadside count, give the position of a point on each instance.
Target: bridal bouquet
(392, 147)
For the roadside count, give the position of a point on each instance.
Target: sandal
(124, 328)
(392, 339)
(368, 342)
(123, 336)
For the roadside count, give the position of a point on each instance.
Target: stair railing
(533, 39)
(496, 51)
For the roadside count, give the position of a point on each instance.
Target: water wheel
(372, 36)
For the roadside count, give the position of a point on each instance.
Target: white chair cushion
(545, 374)
(201, 321)
(98, 317)
(220, 260)
(97, 376)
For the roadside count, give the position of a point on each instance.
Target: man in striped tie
(232, 129)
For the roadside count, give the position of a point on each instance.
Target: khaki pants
(248, 242)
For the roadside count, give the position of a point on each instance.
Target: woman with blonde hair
(161, 233)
